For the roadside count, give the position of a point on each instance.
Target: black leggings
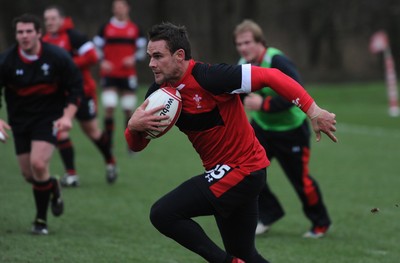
(172, 214)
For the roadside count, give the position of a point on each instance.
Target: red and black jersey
(213, 116)
(118, 40)
(82, 50)
(38, 86)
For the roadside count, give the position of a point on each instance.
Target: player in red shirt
(122, 44)
(61, 32)
(215, 122)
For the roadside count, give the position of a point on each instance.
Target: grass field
(106, 223)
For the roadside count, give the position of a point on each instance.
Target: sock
(66, 150)
(41, 192)
(229, 259)
(104, 145)
(109, 129)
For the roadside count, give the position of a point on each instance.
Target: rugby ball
(171, 99)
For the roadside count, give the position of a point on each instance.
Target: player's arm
(85, 51)
(278, 103)
(256, 78)
(141, 46)
(3, 125)
(99, 41)
(71, 82)
(222, 78)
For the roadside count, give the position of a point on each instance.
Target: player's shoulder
(204, 69)
(9, 51)
(8, 54)
(73, 33)
(133, 23)
(53, 50)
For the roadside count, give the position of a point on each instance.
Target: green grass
(106, 223)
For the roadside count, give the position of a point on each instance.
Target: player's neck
(180, 73)
(261, 54)
(32, 53)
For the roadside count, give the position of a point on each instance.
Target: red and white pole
(380, 43)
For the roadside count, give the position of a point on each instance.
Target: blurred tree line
(327, 40)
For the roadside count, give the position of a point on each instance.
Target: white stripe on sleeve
(85, 48)
(246, 80)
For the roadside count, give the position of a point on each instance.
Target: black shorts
(37, 129)
(87, 109)
(228, 188)
(130, 83)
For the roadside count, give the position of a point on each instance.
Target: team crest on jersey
(45, 67)
(19, 72)
(297, 102)
(198, 99)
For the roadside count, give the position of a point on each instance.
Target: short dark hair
(175, 36)
(59, 9)
(28, 18)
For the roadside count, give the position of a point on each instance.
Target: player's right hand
(143, 119)
(106, 66)
(3, 134)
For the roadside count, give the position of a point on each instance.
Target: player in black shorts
(214, 120)
(61, 32)
(42, 89)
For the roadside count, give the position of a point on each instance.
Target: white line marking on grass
(368, 130)
(377, 252)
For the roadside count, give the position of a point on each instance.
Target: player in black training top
(42, 89)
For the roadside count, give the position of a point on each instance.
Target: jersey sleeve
(285, 86)
(141, 45)
(278, 103)
(99, 40)
(70, 78)
(84, 50)
(237, 79)
(218, 78)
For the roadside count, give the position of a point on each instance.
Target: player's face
(247, 47)
(27, 37)
(164, 65)
(52, 20)
(120, 10)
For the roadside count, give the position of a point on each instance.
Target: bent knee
(39, 167)
(157, 214)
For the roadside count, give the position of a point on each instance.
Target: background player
(121, 44)
(283, 131)
(42, 88)
(61, 32)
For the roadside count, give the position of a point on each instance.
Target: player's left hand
(322, 121)
(129, 61)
